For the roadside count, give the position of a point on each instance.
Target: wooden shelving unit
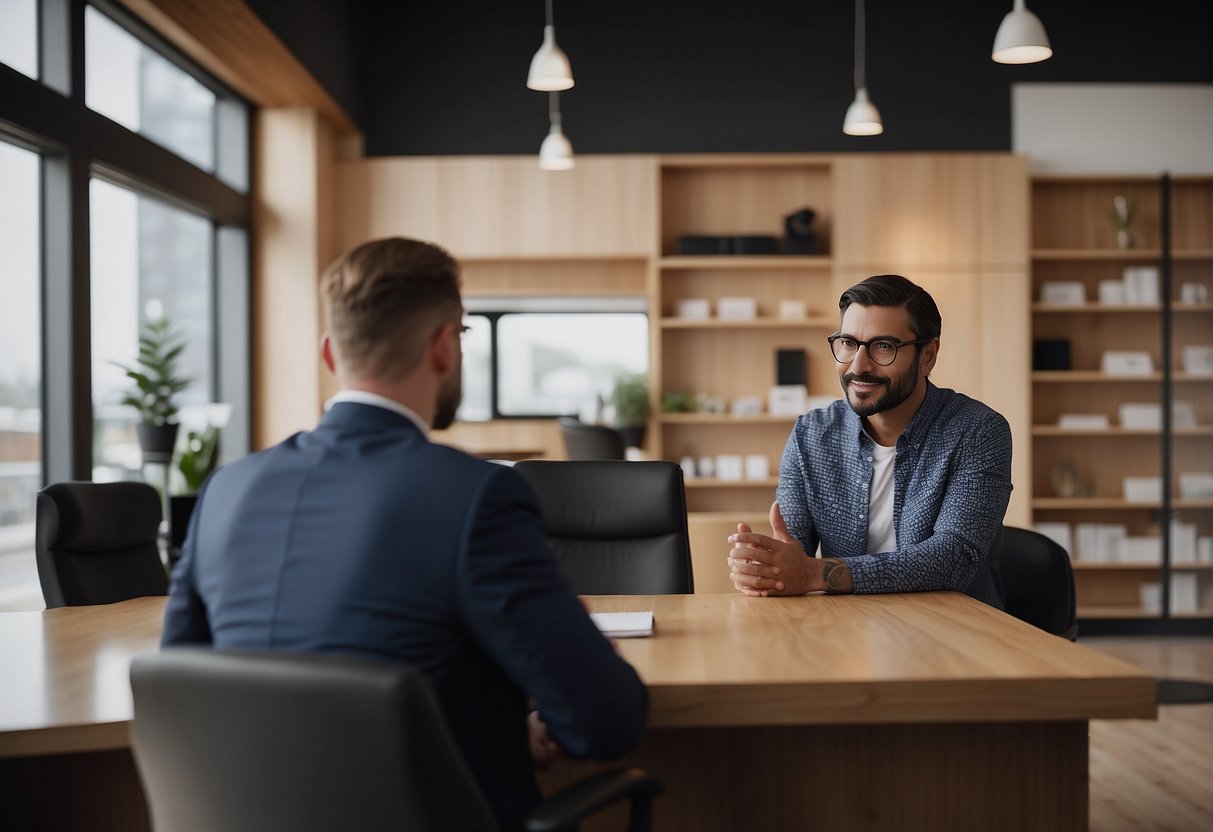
(1073, 240)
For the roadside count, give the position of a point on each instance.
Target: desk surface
(715, 660)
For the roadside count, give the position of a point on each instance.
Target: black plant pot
(156, 442)
(633, 435)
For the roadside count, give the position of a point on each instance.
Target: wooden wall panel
(503, 206)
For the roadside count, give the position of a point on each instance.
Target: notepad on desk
(624, 624)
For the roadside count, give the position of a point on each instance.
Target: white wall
(1114, 128)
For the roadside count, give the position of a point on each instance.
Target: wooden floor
(1155, 775)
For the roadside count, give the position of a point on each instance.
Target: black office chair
(617, 528)
(245, 742)
(1038, 582)
(583, 441)
(96, 543)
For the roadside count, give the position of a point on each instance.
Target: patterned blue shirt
(951, 485)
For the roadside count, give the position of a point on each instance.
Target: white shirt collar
(376, 400)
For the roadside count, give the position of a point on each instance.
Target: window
(21, 369)
(19, 35)
(551, 357)
(136, 87)
(148, 259)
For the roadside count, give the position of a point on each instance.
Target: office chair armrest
(565, 809)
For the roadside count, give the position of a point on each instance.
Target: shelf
(817, 322)
(1070, 376)
(1129, 255)
(1116, 612)
(1117, 503)
(747, 261)
(1192, 254)
(1117, 432)
(712, 482)
(1081, 566)
(1096, 308)
(1194, 615)
(724, 419)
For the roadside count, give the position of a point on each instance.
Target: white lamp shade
(1021, 38)
(863, 119)
(556, 152)
(550, 69)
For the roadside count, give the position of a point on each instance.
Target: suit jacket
(364, 537)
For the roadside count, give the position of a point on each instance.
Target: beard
(448, 400)
(896, 391)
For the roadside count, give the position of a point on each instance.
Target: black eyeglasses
(882, 351)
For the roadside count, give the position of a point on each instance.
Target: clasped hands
(760, 565)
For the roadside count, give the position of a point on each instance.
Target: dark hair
(895, 290)
(383, 299)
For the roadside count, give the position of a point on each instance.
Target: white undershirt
(375, 400)
(882, 537)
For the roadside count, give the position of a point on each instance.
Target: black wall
(448, 76)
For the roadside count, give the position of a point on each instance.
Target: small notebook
(624, 624)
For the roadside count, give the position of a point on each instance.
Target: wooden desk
(927, 711)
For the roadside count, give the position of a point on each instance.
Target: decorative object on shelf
(1063, 292)
(757, 467)
(1100, 542)
(737, 309)
(1083, 421)
(792, 309)
(787, 400)
(706, 467)
(1198, 360)
(862, 118)
(755, 244)
(556, 152)
(1112, 292)
(1126, 363)
(798, 236)
(678, 401)
(1193, 293)
(1140, 415)
(1066, 482)
(1050, 354)
(710, 404)
(746, 406)
(729, 467)
(1021, 38)
(631, 400)
(693, 309)
(157, 382)
(702, 244)
(688, 467)
(550, 69)
(1124, 208)
(1141, 284)
(1143, 489)
(1194, 486)
(791, 367)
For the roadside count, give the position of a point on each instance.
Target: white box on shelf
(746, 405)
(1198, 360)
(1059, 533)
(1126, 363)
(1195, 486)
(1183, 415)
(1112, 292)
(737, 309)
(791, 309)
(1143, 489)
(1145, 550)
(1141, 284)
(1183, 542)
(757, 467)
(1083, 421)
(1063, 292)
(787, 400)
(693, 309)
(1204, 550)
(1141, 415)
(1099, 542)
(1183, 592)
(728, 467)
(1151, 597)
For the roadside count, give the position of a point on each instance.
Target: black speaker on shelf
(1051, 354)
(699, 244)
(791, 367)
(755, 244)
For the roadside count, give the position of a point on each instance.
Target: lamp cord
(549, 12)
(860, 37)
(554, 107)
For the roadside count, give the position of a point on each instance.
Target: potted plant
(631, 401)
(156, 383)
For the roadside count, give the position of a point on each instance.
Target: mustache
(863, 378)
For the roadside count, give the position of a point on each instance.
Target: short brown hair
(382, 301)
(897, 291)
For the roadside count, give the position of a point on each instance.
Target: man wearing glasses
(904, 485)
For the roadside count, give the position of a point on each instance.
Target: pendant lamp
(556, 152)
(862, 119)
(1021, 38)
(550, 69)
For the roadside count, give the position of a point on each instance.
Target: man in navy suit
(364, 537)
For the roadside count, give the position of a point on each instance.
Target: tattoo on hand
(837, 576)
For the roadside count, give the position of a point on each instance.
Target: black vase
(156, 442)
(633, 435)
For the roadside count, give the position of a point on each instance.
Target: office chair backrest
(583, 441)
(246, 742)
(96, 543)
(617, 528)
(1038, 581)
